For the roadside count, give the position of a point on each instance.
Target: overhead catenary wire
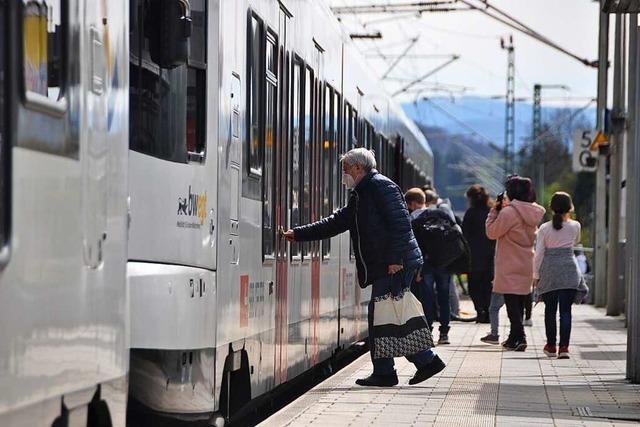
(426, 75)
(451, 91)
(416, 7)
(391, 19)
(409, 56)
(461, 33)
(376, 47)
(518, 25)
(412, 43)
(482, 6)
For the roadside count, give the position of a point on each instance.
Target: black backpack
(441, 242)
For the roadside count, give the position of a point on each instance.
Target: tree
(552, 150)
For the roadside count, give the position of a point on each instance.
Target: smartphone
(499, 201)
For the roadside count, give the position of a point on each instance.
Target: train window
(254, 59)
(196, 82)
(367, 137)
(367, 140)
(382, 154)
(268, 182)
(392, 162)
(347, 127)
(348, 144)
(296, 157)
(196, 113)
(335, 172)
(376, 146)
(351, 127)
(198, 38)
(43, 47)
(328, 161)
(5, 204)
(167, 105)
(306, 152)
(346, 141)
(354, 129)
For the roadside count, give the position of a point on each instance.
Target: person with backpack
(512, 223)
(482, 250)
(415, 200)
(454, 299)
(441, 243)
(556, 272)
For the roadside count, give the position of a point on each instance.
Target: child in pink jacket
(513, 222)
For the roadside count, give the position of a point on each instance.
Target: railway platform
(485, 386)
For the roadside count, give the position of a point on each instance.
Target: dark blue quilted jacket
(378, 222)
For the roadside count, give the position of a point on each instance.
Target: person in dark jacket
(378, 223)
(482, 250)
(435, 282)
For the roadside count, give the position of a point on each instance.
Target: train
(150, 152)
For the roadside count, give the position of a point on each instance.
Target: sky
(481, 69)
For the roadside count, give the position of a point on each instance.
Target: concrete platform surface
(485, 386)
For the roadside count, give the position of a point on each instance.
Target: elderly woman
(387, 257)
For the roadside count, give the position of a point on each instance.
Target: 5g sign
(584, 159)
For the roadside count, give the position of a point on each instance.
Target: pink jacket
(514, 229)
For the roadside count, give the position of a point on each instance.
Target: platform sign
(584, 158)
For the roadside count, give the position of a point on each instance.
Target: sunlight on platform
(484, 386)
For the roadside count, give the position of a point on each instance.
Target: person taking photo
(512, 223)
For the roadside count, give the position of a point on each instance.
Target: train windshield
(167, 100)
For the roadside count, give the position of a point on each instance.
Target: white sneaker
(527, 322)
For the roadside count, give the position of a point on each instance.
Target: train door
(281, 205)
(316, 157)
(173, 187)
(95, 152)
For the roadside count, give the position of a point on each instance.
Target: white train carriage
(64, 352)
(240, 141)
(199, 127)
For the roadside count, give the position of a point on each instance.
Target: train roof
(416, 144)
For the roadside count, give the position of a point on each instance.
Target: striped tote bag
(399, 325)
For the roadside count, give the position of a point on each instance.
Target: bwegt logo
(193, 205)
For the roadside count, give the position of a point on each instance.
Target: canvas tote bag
(399, 325)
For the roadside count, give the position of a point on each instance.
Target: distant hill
(484, 115)
(467, 136)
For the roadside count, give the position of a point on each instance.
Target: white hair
(359, 157)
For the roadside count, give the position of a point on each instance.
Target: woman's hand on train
(289, 235)
(418, 277)
(394, 268)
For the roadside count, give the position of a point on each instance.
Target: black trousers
(563, 298)
(528, 306)
(480, 289)
(515, 309)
